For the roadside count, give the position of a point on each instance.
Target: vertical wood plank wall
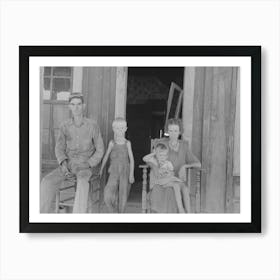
(230, 110)
(99, 87)
(121, 91)
(236, 168)
(214, 114)
(198, 101)
(41, 117)
(189, 81)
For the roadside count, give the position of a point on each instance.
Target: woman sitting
(163, 170)
(162, 199)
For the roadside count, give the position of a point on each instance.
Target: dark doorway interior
(147, 95)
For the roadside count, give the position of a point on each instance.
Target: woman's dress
(163, 200)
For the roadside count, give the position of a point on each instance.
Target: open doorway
(147, 95)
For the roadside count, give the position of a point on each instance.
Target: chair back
(154, 142)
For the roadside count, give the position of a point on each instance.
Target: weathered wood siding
(214, 113)
(236, 167)
(99, 87)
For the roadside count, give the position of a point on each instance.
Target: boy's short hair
(161, 146)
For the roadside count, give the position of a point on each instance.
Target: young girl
(164, 172)
(121, 170)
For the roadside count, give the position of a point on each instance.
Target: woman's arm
(190, 161)
(131, 163)
(110, 146)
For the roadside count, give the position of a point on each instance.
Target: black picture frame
(254, 52)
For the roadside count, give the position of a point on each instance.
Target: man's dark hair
(76, 95)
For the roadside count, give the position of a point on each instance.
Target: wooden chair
(146, 185)
(65, 195)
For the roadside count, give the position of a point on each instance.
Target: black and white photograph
(95, 159)
(139, 142)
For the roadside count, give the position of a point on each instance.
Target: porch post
(121, 92)
(188, 87)
(77, 79)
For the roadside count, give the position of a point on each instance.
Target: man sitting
(79, 148)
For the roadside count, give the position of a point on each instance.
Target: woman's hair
(175, 122)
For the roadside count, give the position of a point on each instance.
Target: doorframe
(121, 92)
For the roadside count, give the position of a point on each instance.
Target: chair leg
(94, 197)
(144, 191)
(197, 193)
(57, 199)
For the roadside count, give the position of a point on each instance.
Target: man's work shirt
(81, 145)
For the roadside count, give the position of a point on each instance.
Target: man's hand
(76, 167)
(64, 168)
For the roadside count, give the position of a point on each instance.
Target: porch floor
(133, 203)
(134, 200)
